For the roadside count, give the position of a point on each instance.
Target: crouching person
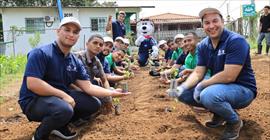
(45, 96)
(94, 68)
(232, 84)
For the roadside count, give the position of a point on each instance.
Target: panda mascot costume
(146, 43)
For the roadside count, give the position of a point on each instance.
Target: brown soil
(149, 114)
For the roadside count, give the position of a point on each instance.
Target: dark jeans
(54, 113)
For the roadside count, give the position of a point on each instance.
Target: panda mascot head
(146, 43)
(145, 28)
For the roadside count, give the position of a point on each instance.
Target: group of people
(60, 87)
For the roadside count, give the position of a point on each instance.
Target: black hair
(268, 7)
(169, 41)
(193, 34)
(95, 36)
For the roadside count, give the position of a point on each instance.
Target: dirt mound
(149, 114)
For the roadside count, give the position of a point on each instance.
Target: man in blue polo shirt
(45, 96)
(232, 84)
(117, 27)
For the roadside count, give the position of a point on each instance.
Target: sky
(191, 7)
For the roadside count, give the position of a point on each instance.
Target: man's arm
(109, 24)
(195, 76)
(42, 88)
(228, 75)
(97, 91)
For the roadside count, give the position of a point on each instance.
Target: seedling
(125, 87)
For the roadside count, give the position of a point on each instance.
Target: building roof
(78, 7)
(172, 18)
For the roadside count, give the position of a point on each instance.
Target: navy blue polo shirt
(181, 59)
(119, 29)
(168, 54)
(232, 49)
(49, 64)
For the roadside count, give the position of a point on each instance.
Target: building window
(33, 25)
(98, 24)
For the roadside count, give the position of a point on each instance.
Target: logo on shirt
(71, 67)
(221, 52)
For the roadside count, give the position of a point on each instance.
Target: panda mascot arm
(154, 54)
(139, 40)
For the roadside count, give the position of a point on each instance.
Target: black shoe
(215, 122)
(64, 133)
(232, 130)
(154, 73)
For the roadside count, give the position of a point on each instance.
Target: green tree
(34, 40)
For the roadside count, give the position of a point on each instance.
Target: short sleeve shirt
(265, 21)
(168, 54)
(104, 62)
(52, 66)
(93, 66)
(191, 60)
(119, 29)
(232, 49)
(176, 53)
(181, 59)
(112, 64)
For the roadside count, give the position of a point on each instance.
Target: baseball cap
(126, 41)
(205, 11)
(108, 39)
(178, 36)
(72, 20)
(122, 12)
(119, 38)
(161, 42)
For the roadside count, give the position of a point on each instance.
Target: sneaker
(64, 133)
(154, 73)
(232, 130)
(215, 122)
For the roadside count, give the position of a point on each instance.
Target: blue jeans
(262, 36)
(221, 99)
(55, 113)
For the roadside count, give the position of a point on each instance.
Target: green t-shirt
(191, 60)
(112, 64)
(176, 53)
(128, 51)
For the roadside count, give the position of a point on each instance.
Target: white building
(46, 20)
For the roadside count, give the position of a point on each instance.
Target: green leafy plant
(34, 40)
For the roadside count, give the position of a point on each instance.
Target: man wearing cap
(178, 44)
(162, 44)
(232, 84)
(117, 27)
(264, 30)
(45, 96)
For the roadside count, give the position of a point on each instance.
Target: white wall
(16, 16)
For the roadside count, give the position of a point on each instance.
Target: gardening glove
(197, 91)
(175, 93)
(154, 54)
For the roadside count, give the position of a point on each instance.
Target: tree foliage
(65, 3)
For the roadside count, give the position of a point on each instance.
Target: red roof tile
(172, 18)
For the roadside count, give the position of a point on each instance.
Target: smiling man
(45, 96)
(232, 84)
